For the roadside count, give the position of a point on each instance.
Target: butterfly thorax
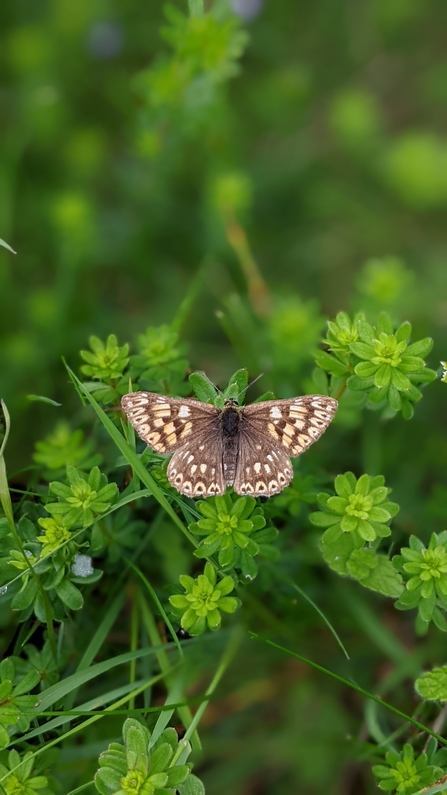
(230, 418)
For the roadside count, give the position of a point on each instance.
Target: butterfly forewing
(294, 424)
(165, 423)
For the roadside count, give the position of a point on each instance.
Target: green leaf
(432, 685)
(344, 486)
(204, 390)
(384, 323)
(29, 682)
(421, 348)
(366, 332)
(407, 409)
(160, 758)
(70, 595)
(338, 553)
(249, 568)
(192, 786)
(321, 519)
(4, 737)
(399, 380)
(358, 384)
(43, 399)
(362, 350)
(330, 363)
(26, 596)
(383, 376)
(365, 369)
(403, 332)
(394, 398)
(384, 579)
(237, 385)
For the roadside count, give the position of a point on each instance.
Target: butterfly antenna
(249, 385)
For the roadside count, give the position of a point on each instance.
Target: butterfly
(247, 447)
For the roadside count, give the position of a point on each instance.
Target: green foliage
(425, 572)
(141, 765)
(234, 528)
(16, 705)
(377, 360)
(21, 778)
(358, 515)
(81, 499)
(404, 773)
(432, 685)
(360, 507)
(199, 608)
(65, 447)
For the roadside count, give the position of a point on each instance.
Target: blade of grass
(82, 788)
(105, 625)
(227, 657)
(285, 578)
(353, 686)
(61, 689)
(87, 707)
(158, 604)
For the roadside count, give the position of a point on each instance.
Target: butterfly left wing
(166, 423)
(293, 424)
(196, 469)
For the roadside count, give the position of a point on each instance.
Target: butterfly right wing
(166, 423)
(263, 466)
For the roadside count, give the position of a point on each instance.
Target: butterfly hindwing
(263, 466)
(166, 423)
(197, 468)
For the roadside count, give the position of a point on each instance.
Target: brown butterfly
(247, 447)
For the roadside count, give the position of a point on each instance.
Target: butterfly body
(247, 447)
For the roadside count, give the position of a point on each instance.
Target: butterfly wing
(263, 466)
(293, 424)
(166, 423)
(271, 432)
(196, 469)
(188, 428)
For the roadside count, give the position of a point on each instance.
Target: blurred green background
(112, 169)
(138, 158)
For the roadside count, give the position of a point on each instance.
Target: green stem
(341, 389)
(355, 687)
(226, 659)
(134, 625)
(163, 661)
